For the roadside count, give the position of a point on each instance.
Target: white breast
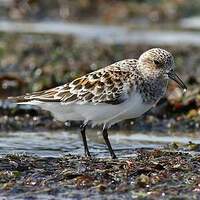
(111, 114)
(98, 114)
(132, 108)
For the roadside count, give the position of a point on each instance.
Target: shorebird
(123, 90)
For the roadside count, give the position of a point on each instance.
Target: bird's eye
(156, 62)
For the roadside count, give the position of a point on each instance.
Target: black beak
(172, 75)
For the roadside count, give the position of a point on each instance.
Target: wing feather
(111, 85)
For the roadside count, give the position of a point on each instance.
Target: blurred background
(47, 43)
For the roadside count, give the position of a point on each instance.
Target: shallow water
(59, 143)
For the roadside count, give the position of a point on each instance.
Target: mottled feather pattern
(124, 90)
(111, 85)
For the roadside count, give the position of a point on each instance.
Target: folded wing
(111, 85)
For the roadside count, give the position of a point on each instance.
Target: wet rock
(152, 174)
(142, 180)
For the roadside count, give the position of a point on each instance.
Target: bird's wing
(111, 85)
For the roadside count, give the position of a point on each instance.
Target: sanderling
(123, 90)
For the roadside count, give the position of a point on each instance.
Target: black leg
(83, 127)
(105, 136)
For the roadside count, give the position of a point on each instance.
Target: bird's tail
(44, 96)
(27, 97)
(21, 99)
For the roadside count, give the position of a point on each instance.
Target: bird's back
(98, 96)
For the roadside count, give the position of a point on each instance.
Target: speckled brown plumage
(114, 83)
(111, 84)
(123, 90)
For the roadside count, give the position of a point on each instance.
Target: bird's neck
(152, 89)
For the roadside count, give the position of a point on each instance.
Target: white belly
(98, 114)
(132, 108)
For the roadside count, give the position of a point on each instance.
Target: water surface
(58, 143)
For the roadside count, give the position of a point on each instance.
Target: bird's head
(157, 63)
